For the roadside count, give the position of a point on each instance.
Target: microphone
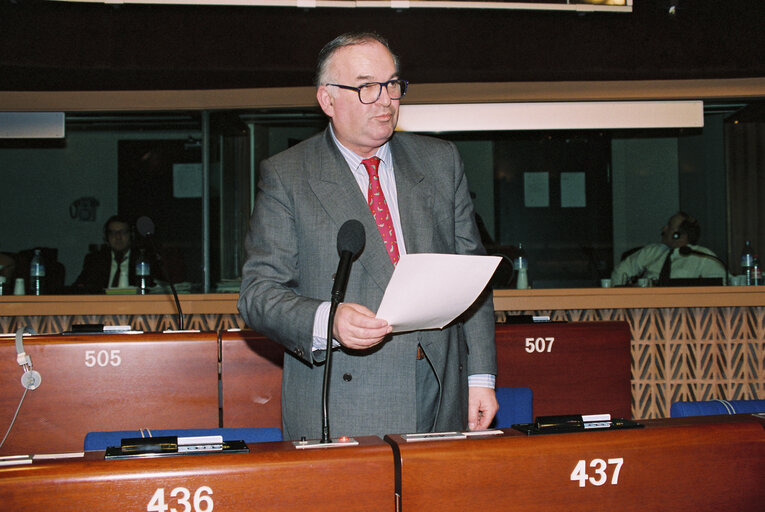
(350, 242)
(687, 251)
(145, 227)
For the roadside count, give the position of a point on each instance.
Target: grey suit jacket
(305, 194)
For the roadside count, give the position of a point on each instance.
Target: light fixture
(551, 116)
(32, 125)
(614, 6)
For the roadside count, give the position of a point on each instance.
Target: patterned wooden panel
(677, 353)
(53, 324)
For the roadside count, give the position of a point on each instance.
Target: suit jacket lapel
(336, 189)
(415, 197)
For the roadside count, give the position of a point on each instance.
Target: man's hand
(357, 328)
(482, 406)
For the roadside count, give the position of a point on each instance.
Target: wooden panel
(710, 464)
(273, 477)
(251, 375)
(279, 97)
(573, 368)
(88, 308)
(632, 298)
(108, 382)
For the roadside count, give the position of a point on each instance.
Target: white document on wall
(573, 190)
(427, 291)
(536, 189)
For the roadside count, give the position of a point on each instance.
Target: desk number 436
(201, 502)
(600, 467)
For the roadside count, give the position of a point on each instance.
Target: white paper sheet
(427, 291)
(573, 190)
(536, 189)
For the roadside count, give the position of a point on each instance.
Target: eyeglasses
(370, 92)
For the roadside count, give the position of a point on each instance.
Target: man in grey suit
(380, 382)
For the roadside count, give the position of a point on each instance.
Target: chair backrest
(515, 406)
(102, 440)
(710, 407)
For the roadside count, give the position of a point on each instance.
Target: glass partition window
(576, 200)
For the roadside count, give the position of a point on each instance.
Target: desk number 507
(579, 474)
(539, 344)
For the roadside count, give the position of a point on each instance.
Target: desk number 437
(600, 468)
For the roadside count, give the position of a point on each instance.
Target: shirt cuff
(320, 320)
(482, 380)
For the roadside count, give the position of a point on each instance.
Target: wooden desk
(272, 477)
(586, 371)
(685, 464)
(696, 343)
(251, 377)
(571, 367)
(107, 382)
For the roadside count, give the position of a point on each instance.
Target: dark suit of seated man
(114, 265)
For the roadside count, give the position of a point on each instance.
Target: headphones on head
(689, 227)
(31, 378)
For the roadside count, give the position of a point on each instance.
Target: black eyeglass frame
(404, 85)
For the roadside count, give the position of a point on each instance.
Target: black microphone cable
(687, 251)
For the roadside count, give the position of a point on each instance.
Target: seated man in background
(114, 265)
(676, 256)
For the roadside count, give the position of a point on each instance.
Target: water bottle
(521, 266)
(36, 274)
(142, 274)
(747, 264)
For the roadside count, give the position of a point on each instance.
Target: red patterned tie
(379, 208)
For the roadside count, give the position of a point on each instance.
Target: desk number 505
(579, 474)
(102, 358)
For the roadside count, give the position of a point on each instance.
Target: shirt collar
(125, 257)
(354, 160)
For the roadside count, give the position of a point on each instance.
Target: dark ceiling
(72, 46)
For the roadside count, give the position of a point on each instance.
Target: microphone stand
(350, 242)
(175, 294)
(146, 229)
(325, 438)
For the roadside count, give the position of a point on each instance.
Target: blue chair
(102, 440)
(515, 406)
(710, 407)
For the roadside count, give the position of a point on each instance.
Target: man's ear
(326, 101)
